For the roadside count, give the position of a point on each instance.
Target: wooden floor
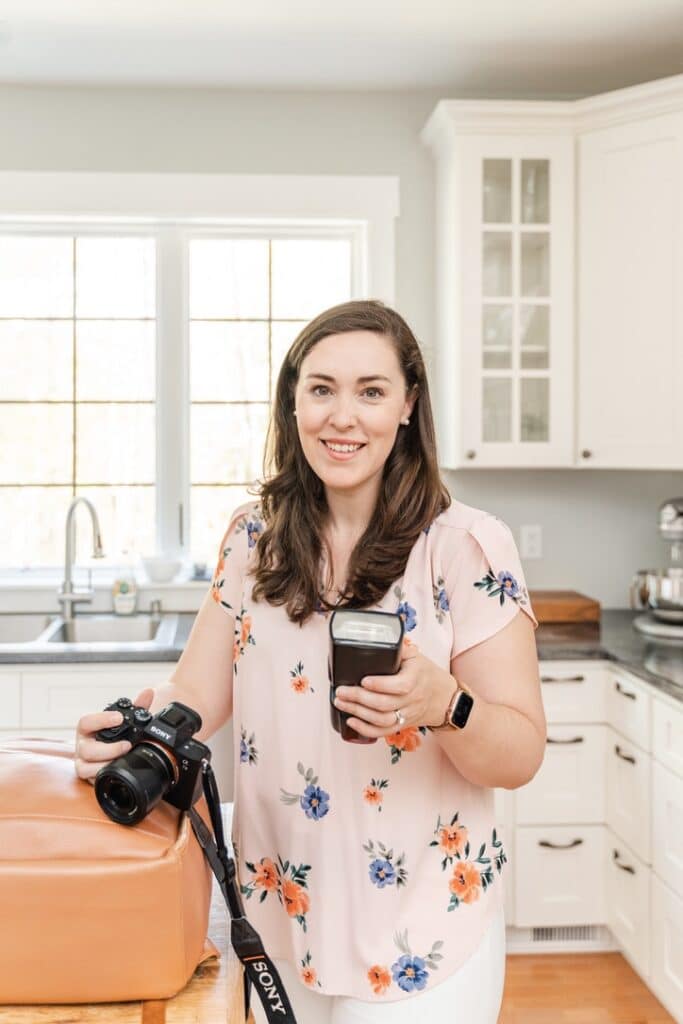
(587, 988)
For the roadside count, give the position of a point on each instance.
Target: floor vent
(567, 933)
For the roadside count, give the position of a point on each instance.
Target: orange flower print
(266, 875)
(283, 878)
(243, 636)
(453, 839)
(372, 794)
(300, 682)
(470, 877)
(466, 882)
(295, 899)
(245, 630)
(379, 978)
(309, 975)
(405, 741)
(218, 581)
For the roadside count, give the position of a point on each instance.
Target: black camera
(164, 762)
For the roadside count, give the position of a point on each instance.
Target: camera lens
(129, 787)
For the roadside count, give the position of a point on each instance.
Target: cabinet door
(629, 708)
(667, 827)
(55, 698)
(628, 793)
(10, 685)
(666, 975)
(630, 327)
(559, 875)
(516, 273)
(573, 691)
(570, 785)
(667, 735)
(628, 902)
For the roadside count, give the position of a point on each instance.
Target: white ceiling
(515, 48)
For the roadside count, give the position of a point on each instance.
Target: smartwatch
(458, 710)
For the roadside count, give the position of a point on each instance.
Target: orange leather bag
(92, 911)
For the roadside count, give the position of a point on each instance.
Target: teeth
(343, 447)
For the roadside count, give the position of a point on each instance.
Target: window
(140, 350)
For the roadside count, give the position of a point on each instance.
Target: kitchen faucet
(67, 596)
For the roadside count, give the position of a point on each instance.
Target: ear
(409, 404)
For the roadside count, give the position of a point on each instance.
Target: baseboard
(582, 938)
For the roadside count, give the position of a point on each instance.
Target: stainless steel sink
(96, 634)
(18, 629)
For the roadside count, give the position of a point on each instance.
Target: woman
(373, 872)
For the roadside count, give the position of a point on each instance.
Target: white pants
(470, 996)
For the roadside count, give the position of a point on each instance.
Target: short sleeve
(233, 556)
(484, 583)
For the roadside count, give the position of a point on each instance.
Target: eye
(378, 392)
(316, 388)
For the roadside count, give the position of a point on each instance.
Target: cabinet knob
(470, 453)
(586, 453)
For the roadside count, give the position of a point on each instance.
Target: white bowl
(161, 569)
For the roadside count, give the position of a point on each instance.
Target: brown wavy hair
(293, 501)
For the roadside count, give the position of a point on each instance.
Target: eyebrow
(361, 380)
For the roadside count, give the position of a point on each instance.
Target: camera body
(362, 643)
(164, 762)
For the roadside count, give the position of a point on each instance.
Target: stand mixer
(660, 591)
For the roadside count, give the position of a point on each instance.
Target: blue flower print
(248, 751)
(409, 972)
(253, 525)
(405, 610)
(382, 873)
(441, 605)
(315, 802)
(244, 753)
(385, 868)
(504, 585)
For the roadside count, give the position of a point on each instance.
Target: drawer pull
(624, 867)
(574, 739)
(624, 757)
(559, 846)
(565, 679)
(625, 693)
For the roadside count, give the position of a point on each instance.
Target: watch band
(448, 722)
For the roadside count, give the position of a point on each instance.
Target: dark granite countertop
(658, 662)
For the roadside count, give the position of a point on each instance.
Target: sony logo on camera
(160, 732)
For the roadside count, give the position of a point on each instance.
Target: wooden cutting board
(564, 606)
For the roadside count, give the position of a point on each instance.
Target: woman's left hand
(420, 691)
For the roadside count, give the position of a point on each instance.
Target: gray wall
(598, 526)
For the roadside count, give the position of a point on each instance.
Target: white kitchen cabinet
(570, 785)
(11, 700)
(666, 924)
(504, 224)
(667, 827)
(628, 902)
(667, 734)
(629, 707)
(574, 691)
(630, 314)
(629, 793)
(558, 875)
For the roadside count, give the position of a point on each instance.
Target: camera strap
(259, 969)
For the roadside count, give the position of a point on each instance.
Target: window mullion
(173, 407)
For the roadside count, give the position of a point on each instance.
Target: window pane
(497, 337)
(115, 443)
(36, 357)
(36, 443)
(535, 400)
(535, 189)
(229, 278)
(497, 409)
(227, 442)
(535, 263)
(282, 336)
(309, 276)
(497, 263)
(497, 192)
(36, 276)
(32, 525)
(229, 362)
(535, 334)
(115, 360)
(115, 277)
(211, 509)
(127, 522)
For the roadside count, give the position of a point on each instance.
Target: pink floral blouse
(376, 869)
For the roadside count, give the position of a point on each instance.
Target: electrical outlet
(531, 541)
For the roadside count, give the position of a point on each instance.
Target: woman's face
(350, 396)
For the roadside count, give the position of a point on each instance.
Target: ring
(400, 720)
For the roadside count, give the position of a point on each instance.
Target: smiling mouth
(342, 449)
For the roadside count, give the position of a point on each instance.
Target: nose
(343, 413)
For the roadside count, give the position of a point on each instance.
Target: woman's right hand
(92, 754)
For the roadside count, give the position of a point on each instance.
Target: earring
(295, 412)
(406, 421)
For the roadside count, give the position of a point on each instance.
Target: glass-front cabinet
(503, 364)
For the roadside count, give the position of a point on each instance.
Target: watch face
(461, 711)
